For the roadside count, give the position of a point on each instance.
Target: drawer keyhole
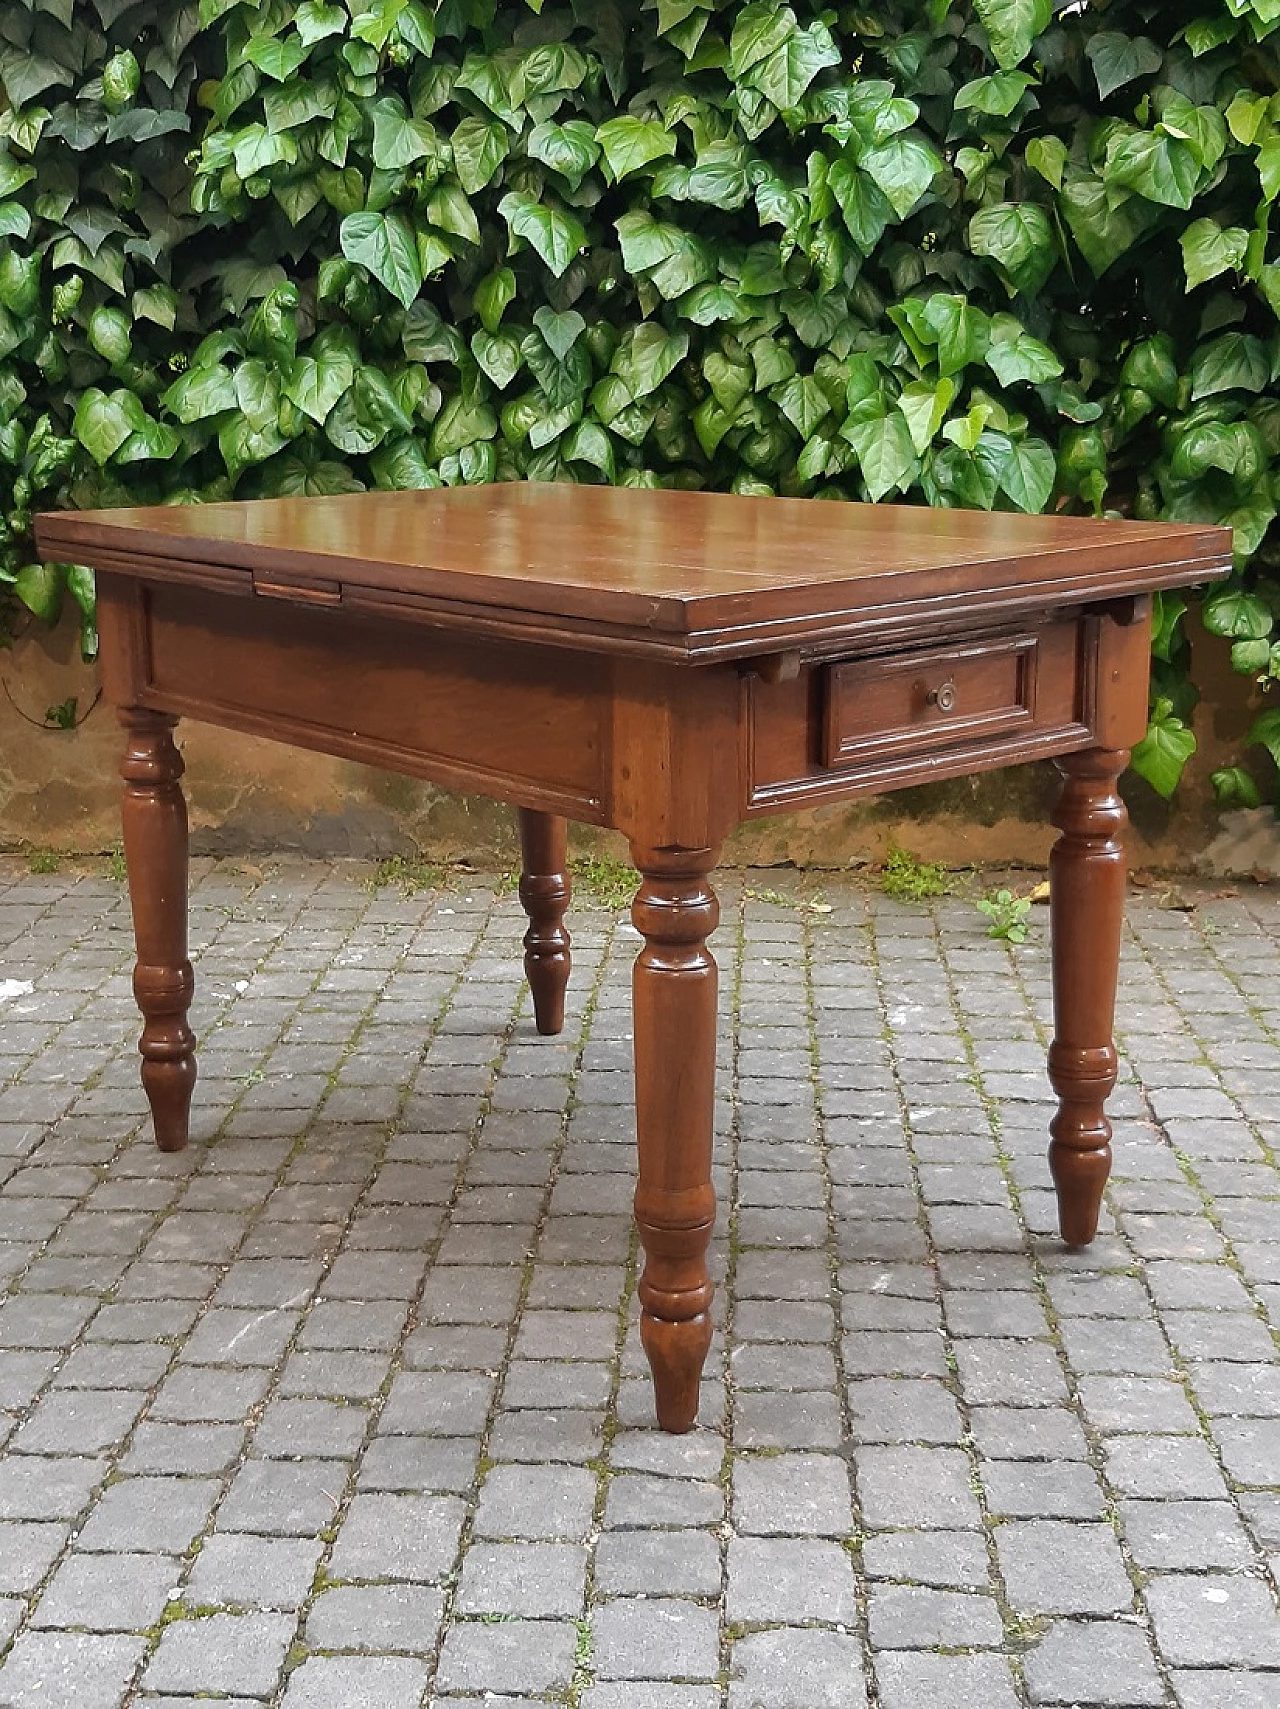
(943, 698)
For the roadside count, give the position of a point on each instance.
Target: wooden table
(669, 664)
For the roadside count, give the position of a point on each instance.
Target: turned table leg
(674, 996)
(544, 895)
(1087, 885)
(155, 849)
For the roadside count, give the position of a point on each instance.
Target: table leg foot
(674, 992)
(544, 895)
(1087, 887)
(154, 816)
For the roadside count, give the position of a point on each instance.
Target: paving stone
(910, 1679)
(228, 1653)
(1172, 1467)
(657, 1563)
(50, 1670)
(539, 1503)
(1052, 1567)
(1022, 1489)
(631, 1635)
(796, 1668)
(1081, 1661)
(788, 1581)
(1214, 1689)
(356, 1682)
(792, 1495)
(631, 1695)
(537, 1580)
(948, 1559)
(1214, 1620)
(27, 1551)
(636, 1499)
(910, 1617)
(254, 1572)
(524, 1656)
(108, 1593)
(149, 1514)
(376, 1617)
(916, 1488)
(412, 1537)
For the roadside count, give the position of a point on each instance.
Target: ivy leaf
(1047, 155)
(316, 383)
(479, 148)
(1164, 751)
(385, 244)
(499, 356)
(1027, 474)
(315, 20)
(40, 588)
(802, 401)
(1019, 237)
(493, 295)
(398, 139)
(570, 149)
(1118, 59)
(557, 237)
(1235, 788)
(903, 168)
(784, 75)
(104, 421)
(1012, 26)
(275, 57)
(402, 465)
(885, 454)
(1235, 362)
(201, 392)
(1236, 615)
(646, 354)
(758, 31)
(924, 408)
(1208, 250)
(628, 144)
(996, 95)
(1160, 167)
(589, 443)
(1013, 355)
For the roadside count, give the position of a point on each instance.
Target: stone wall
(58, 790)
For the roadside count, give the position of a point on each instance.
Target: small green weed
(409, 875)
(604, 880)
(907, 879)
(1006, 916)
(117, 871)
(63, 715)
(42, 860)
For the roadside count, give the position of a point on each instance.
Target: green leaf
(1019, 236)
(1164, 751)
(402, 465)
(109, 334)
(903, 168)
(1106, 220)
(1168, 609)
(1237, 615)
(802, 401)
(40, 588)
(556, 236)
(256, 149)
(385, 244)
(449, 209)
(628, 144)
(589, 443)
(499, 356)
(1235, 788)
(1027, 476)
(201, 392)
(925, 409)
(463, 421)
(479, 148)
(158, 303)
(104, 421)
(275, 57)
(1157, 166)
(885, 454)
(1208, 250)
(316, 383)
(646, 354)
(1152, 366)
(758, 31)
(398, 139)
(1235, 361)
(492, 297)
(13, 173)
(1013, 355)
(1012, 26)
(19, 281)
(570, 149)
(1203, 129)
(1118, 59)
(315, 20)
(783, 75)
(15, 221)
(1047, 155)
(996, 95)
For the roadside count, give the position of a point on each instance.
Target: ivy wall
(994, 253)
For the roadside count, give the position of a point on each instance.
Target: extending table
(668, 663)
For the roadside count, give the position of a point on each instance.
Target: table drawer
(879, 709)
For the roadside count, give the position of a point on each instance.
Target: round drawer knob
(943, 698)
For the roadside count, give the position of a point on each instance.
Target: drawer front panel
(856, 727)
(876, 709)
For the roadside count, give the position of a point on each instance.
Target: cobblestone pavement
(344, 1408)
